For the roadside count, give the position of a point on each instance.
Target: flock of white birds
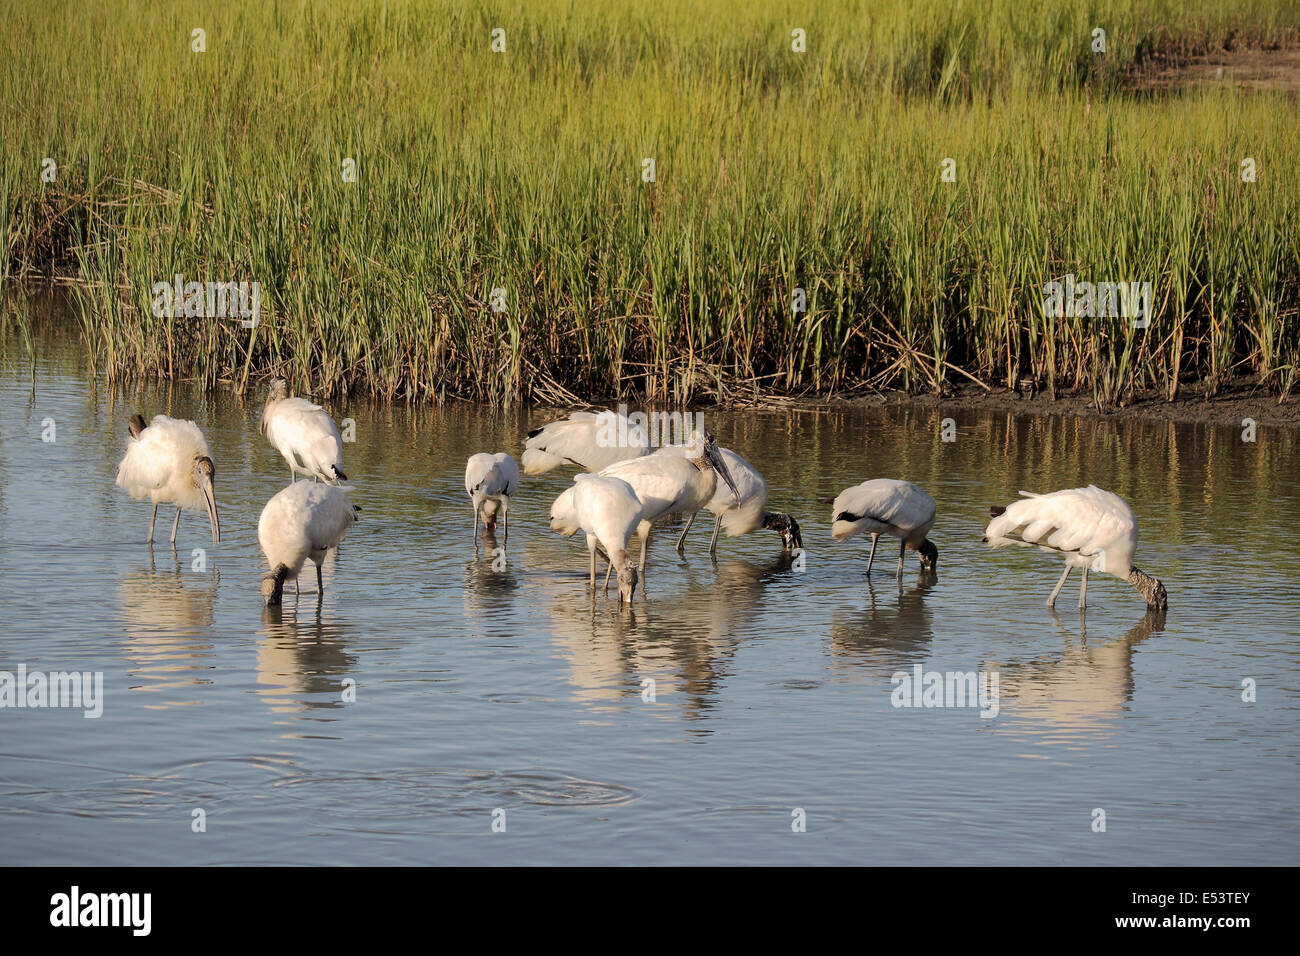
(624, 487)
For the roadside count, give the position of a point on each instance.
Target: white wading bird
(300, 522)
(304, 434)
(608, 510)
(490, 480)
(1094, 529)
(887, 506)
(592, 441)
(169, 461)
(674, 480)
(751, 512)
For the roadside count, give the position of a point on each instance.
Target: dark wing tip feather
(847, 516)
(996, 511)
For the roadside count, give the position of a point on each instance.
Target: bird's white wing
(1088, 521)
(657, 481)
(155, 455)
(606, 507)
(874, 506)
(589, 440)
(508, 469)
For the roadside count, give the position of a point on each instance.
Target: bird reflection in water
(301, 663)
(1079, 692)
(490, 583)
(888, 634)
(167, 618)
(684, 642)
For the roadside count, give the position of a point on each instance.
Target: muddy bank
(1229, 408)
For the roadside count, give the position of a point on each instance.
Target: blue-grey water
(478, 689)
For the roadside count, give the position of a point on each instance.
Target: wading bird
(490, 480)
(751, 511)
(300, 522)
(608, 510)
(1095, 530)
(674, 480)
(592, 441)
(887, 506)
(169, 461)
(304, 434)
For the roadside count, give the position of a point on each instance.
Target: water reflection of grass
(774, 170)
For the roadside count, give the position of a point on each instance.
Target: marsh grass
(775, 170)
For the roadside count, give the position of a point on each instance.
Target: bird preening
(168, 461)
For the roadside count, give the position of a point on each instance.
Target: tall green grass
(775, 170)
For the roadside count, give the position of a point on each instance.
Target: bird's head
(929, 556)
(703, 446)
(273, 586)
(278, 389)
(787, 528)
(628, 578)
(204, 473)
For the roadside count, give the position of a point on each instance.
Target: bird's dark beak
(210, 498)
(715, 459)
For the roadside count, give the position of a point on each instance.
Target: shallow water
(478, 689)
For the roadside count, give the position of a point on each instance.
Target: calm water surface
(479, 689)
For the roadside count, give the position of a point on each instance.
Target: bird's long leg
(591, 580)
(151, 520)
(875, 538)
(645, 540)
(608, 570)
(505, 520)
(1051, 598)
(902, 550)
(1083, 590)
(713, 543)
(682, 537)
(176, 524)
(320, 582)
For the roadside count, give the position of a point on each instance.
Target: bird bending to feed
(300, 522)
(591, 440)
(608, 510)
(1095, 530)
(490, 480)
(887, 506)
(304, 434)
(751, 510)
(169, 461)
(677, 479)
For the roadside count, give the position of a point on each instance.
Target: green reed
(775, 171)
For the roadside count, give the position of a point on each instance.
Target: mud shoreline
(1228, 409)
